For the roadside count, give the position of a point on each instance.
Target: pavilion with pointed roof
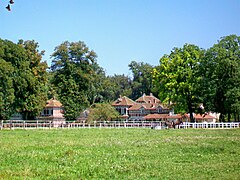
(53, 111)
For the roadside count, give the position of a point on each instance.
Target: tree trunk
(235, 116)
(28, 116)
(221, 117)
(190, 107)
(191, 117)
(191, 113)
(229, 117)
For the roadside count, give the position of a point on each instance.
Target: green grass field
(120, 154)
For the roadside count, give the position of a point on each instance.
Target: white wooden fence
(210, 125)
(112, 124)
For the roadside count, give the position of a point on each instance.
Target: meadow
(120, 154)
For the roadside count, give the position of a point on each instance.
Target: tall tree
(73, 68)
(142, 79)
(119, 85)
(6, 89)
(178, 80)
(97, 87)
(222, 76)
(29, 80)
(34, 95)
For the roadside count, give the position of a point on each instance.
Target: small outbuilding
(54, 112)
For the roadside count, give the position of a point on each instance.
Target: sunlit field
(120, 154)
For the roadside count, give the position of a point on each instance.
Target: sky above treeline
(120, 31)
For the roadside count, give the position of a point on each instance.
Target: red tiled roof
(198, 116)
(135, 107)
(123, 101)
(148, 99)
(207, 116)
(147, 106)
(53, 103)
(155, 116)
(175, 116)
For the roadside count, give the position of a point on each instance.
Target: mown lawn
(120, 154)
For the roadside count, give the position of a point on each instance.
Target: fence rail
(210, 125)
(11, 124)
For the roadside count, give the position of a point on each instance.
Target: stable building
(137, 110)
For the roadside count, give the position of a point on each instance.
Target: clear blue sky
(121, 31)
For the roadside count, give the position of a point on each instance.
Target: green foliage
(120, 154)
(116, 85)
(178, 79)
(74, 68)
(35, 93)
(29, 76)
(6, 89)
(97, 86)
(142, 79)
(102, 112)
(221, 67)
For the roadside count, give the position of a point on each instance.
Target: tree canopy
(102, 112)
(73, 67)
(27, 76)
(221, 67)
(184, 79)
(142, 79)
(177, 78)
(6, 89)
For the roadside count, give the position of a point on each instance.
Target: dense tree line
(184, 79)
(189, 76)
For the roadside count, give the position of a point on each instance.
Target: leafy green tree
(33, 94)
(102, 112)
(6, 89)
(29, 79)
(142, 79)
(95, 93)
(73, 68)
(121, 85)
(178, 79)
(221, 67)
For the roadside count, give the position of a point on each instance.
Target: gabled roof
(135, 107)
(148, 99)
(53, 103)
(147, 106)
(123, 101)
(207, 116)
